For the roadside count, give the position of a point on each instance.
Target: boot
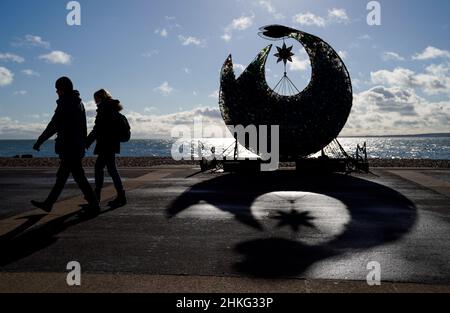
(98, 194)
(42, 205)
(90, 211)
(120, 201)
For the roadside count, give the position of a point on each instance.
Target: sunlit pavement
(274, 232)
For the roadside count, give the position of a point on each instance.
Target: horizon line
(445, 134)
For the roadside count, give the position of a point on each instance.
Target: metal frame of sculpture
(309, 120)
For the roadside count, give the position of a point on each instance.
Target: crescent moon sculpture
(309, 120)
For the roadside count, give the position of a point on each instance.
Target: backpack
(124, 129)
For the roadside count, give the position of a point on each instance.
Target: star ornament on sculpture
(284, 54)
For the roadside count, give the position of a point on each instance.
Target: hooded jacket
(69, 124)
(106, 131)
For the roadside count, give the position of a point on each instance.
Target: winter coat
(106, 129)
(69, 124)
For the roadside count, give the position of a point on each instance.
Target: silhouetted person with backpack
(69, 124)
(111, 128)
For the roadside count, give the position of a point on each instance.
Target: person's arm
(91, 138)
(93, 135)
(49, 132)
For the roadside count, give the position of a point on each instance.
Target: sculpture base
(327, 165)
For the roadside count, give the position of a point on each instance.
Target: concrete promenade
(271, 232)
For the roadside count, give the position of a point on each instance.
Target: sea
(433, 148)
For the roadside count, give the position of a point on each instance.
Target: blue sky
(162, 58)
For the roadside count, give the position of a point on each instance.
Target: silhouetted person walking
(106, 132)
(69, 124)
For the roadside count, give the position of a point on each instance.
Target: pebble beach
(144, 162)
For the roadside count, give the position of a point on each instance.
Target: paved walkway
(275, 232)
(128, 283)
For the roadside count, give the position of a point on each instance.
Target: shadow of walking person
(25, 240)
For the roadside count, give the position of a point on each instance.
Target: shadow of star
(294, 219)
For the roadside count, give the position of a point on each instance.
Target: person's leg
(99, 175)
(114, 173)
(121, 199)
(61, 179)
(80, 177)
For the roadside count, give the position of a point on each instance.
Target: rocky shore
(158, 161)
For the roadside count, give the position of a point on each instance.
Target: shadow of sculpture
(377, 215)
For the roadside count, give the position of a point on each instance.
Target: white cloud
(394, 110)
(335, 16)
(392, 56)
(6, 77)
(270, 8)
(165, 89)
(242, 23)
(20, 92)
(11, 57)
(393, 99)
(226, 37)
(36, 41)
(91, 110)
(267, 5)
(338, 16)
(238, 24)
(299, 64)
(150, 109)
(438, 69)
(238, 68)
(57, 57)
(13, 129)
(433, 81)
(162, 32)
(190, 40)
(187, 70)
(398, 77)
(144, 125)
(377, 111)
(432, 53)
(161, 126)
(432, 84)
(309, 19)
(31, 73)
(395, 106)
(33, 41)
